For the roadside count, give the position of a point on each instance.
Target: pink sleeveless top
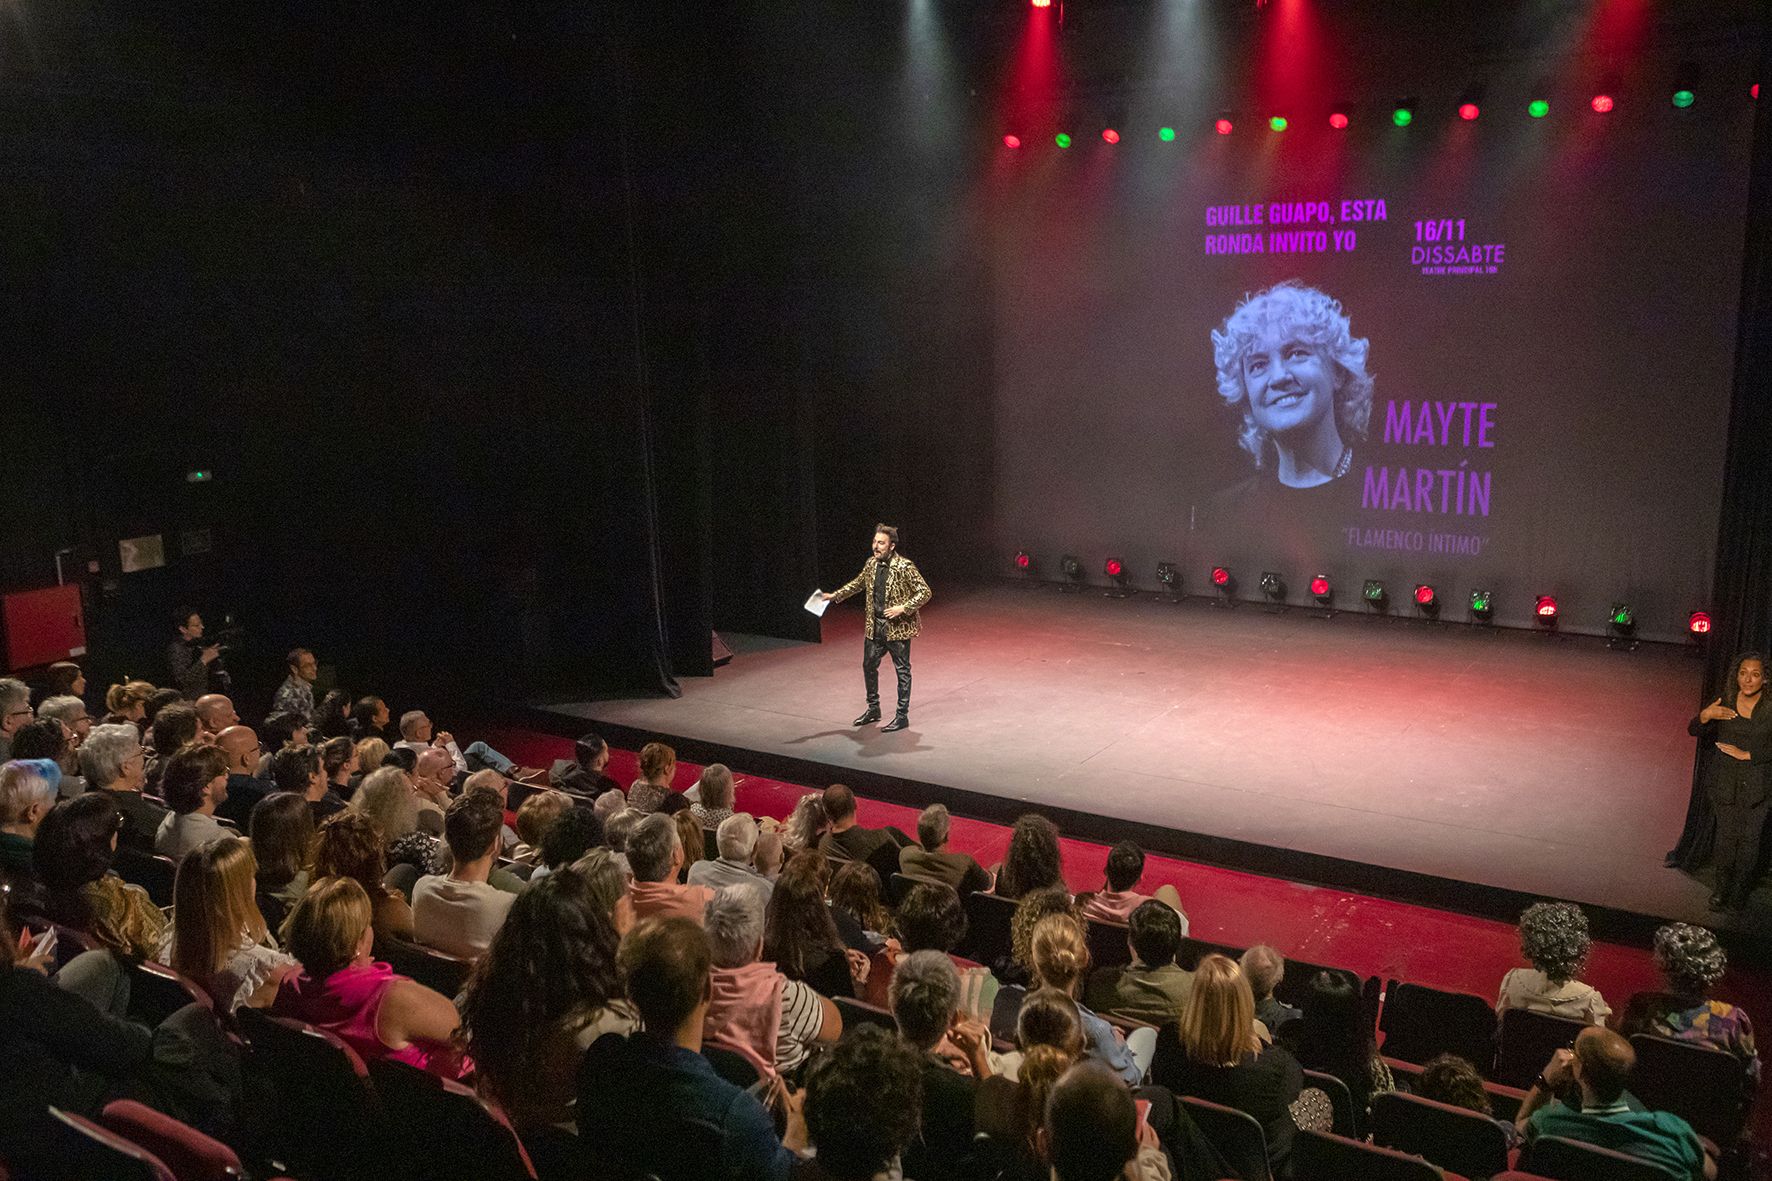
(346, 1005)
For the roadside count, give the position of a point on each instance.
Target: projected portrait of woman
(1288, 359)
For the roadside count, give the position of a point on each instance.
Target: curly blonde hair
(1292, 310)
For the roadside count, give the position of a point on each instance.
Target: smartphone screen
(1144, 1111)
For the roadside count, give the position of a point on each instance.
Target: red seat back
(442, 1131)
(190, 1154)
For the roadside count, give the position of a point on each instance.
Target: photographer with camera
(197, 667)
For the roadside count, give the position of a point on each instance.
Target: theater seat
(434, 969)
(1467, 1142)
(1704, 1086)
(1528, 1040)
(442, 1131)
(1235, 1134)
(987, 927)
(856, 1013)
(151, 872)
(315, 1077)
(188, 1153)
(1421, 1023)
(76, 1149)
(1571, 1160)
(156, 992)
(1107, 944)
(1324, 1156)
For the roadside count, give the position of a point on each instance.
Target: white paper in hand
(816, 604)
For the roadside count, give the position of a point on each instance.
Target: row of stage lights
(1402, 114)
(1621, 618)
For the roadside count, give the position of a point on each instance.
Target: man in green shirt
(1609, 1116)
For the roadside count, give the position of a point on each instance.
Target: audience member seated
(1213, 1053)
(240, 750)
(219, 937)
(1091, 1131)
(173, 729)
(932, 918)
(1153, 988)
(1456, 1082)
(389, 800)
(1335, 1036)
(70, 711)
(655, 854)
(608, 876)
(1033, 860)
(755, 1010)
(115, 764)
(282, 830)
(692, 838)
(338, 756)
(296, 694)
(371, 753)
(582, 774)
(545, 990)
(15, 712)
(351, 846)
(74, 847)
(159, 699)
(433, 778)
(128, 702)
(766, 858)
(499, 788)
(533, 818)
(461, 911)
(658, 765)
(215, 713)
(1264, 968)
(47, 738)
(800, 936)
(1691, 961)
(925, 1004)
(736, 839)
(299, 770)
(1011, 1101)
(1553, 937)
(195, 782)
(332, 717)
(650, 1103)
(806, 824)
(364, 1003)
(1032, 907)
(418, 735)
(370, 719)
(715, 797)
(281, 729)
(1609, 1116)
(64, 678)
(863, 1103)
(1060, 960)
(573, 833)
(931, 860)
(1119, 896)
(848, 841)
(620, 826)
(856, 903)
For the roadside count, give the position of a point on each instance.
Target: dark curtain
(1741, 594)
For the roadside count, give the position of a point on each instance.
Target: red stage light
(1223, 127)
(1754, 90)
(1221, 576)
(1111, 135)
(1319, 586)
(1602, 103)
(1425, 596)
(1468, 111)
(1338, 121)
(1012, 141)
(1547, 607)
(1113, 568)
(1699, 623)
(1023, 561)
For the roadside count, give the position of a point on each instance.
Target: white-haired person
(736, 839)
(1288, 360)
(655, 854)
(1692, 962)
(27, 793)
(115, 763)
(754, 1009)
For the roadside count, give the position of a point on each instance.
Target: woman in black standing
(1740, 777)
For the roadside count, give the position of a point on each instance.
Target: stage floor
(1526, 762)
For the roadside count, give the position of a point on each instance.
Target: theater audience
(620, 826)
(48, 738)
(338, 756)
(1119, 896)
(655, 854)
(863, 1104)
(1011, 1103)
(128, 702)
(572, 834)
(349, 845)
(658, 764)
(194, 783)
(64, 678)
(1153, 988)
(931, 860)
(1600, 1064)
(1033, 907)
(736, 839)
(282, 830)
(925, 1002)
(282, 729)
(583, 774)
(433, 778)
(692, 838)
(855, 893)
(332, 717)
(1091, 1130)
(1692, 962)
(806, 824)
(1264, 968)
(1213, 1053)
(296, 694)
(115, 764)
(300, 770)
(158, 700)
(1032, 862)
(15, 712)
(388, 799)
(649, 1103)
(240, 749)
(533, 818)
(459, 912)
(846, 840)
(1334, 1035)
(800, 936)
(766, 858)
(215, 713)
(717, 793)
(1060, 959)
(73, 852)
(370, 718)
(754, 1009)
(371, 752)
(1554, 939)
(546, 988)
(608, 876)
(364, 1003)
(172, 730)
(1454, 1081)
(70, 711)
(219, 938)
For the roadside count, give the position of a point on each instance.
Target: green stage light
(1622, 617)
(1373, 591)
(1402, 116)
(1684, 99)
(1062, 139)
(1538, 108)
(1277, 123)
(1482, 603)
(1166, 134)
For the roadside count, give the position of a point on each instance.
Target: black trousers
(1739, 826)
(871, 652)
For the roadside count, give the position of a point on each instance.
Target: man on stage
(896, 592)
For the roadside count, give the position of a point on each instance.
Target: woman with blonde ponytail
(1012, 1103)
(1060, 955)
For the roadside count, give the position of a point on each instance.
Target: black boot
(871, 716)
(898, 722)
